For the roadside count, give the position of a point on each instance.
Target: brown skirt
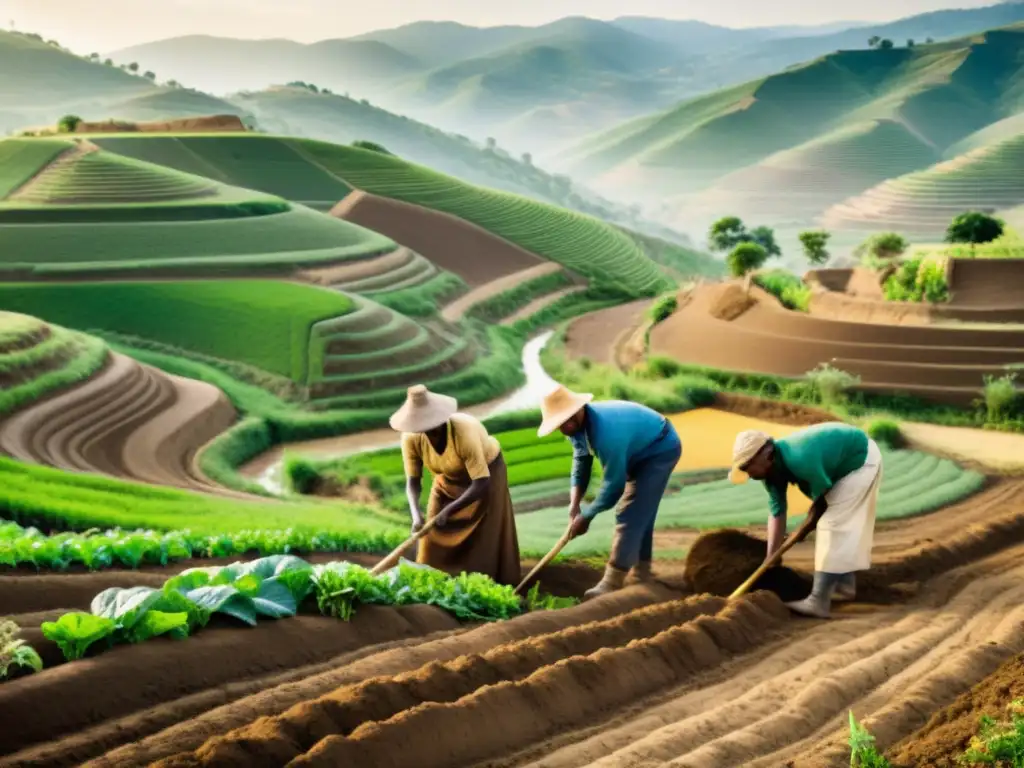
(479, 538)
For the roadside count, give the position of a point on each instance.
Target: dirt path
(129, 421)
(454, 311)
(634, 679)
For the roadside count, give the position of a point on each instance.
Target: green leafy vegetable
(75, 632)
(14, 652)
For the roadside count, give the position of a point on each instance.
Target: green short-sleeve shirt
(816, 458)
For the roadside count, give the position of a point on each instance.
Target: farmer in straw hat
(840, 468)
(475, 531)
(638, 449)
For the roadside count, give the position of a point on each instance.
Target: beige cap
(558, 406)
(423, 410)
(745, 448)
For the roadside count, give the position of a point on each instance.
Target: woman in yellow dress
(475, 530)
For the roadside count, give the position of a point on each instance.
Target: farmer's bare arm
(776, 532)
(413, 489)
(475, 492)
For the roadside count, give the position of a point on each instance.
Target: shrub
(885, 246)
(663, 308)
(917, 280)
(831, 384)
(814, 243)
(745, 258)
(1000, 397)
(789, 289)
(886, 433)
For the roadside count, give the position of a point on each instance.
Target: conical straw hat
(558, 406)
(423, 410)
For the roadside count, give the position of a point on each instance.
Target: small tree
(94, 57)
(929, 39)
(886, 45)
(887, 245)
(109, 62)
(765, 237)
(173, 84)
(910, 42)
(745, 258)
(726, 233)
(150, 76)
(527, 158)
(975, 228)
(133, 67)
(492, 144)
(873, 41)
(68, 124)
(814, 243)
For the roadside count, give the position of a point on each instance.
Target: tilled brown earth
(645, 677)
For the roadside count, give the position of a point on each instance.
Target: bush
(745, 258)
(1001, 398)
(918, 280)
(372, 146)
(787, 288)
(301, 474)
(68, 124)
(831, 384)
(886, 433)
(663, 308)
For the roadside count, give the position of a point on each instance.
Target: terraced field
(946, 364)
(920, 205)
(154, 218)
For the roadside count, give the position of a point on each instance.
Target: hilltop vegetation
(792, 144)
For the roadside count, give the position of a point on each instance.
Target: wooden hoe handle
(559, 546)
(396, 553)
(771, 562)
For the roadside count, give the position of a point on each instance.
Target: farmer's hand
(579, 526)
(574, 511)
(417, 522)
(442, 518)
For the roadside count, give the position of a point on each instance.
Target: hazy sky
(109, 24)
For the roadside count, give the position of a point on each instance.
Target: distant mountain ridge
(537, 88)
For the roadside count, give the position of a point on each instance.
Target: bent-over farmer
(469, 497)
(638, 449)
(840, 468)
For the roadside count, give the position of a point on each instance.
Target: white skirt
(846, 531)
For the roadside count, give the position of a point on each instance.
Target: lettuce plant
(15, 652)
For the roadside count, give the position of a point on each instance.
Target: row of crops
(276, 587)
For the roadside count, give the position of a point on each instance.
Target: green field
(263, 323)
(154, 217)
(920, 205)
(913, 483)
(282, 166)
(848, 119)
(37, 358)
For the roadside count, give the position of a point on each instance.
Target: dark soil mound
(718, 562)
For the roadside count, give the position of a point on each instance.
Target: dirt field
(597, 335)
(648, 676)
(939, 363)
(472, 253)
(454, 311)
(129, 420)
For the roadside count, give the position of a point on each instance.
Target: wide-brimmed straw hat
(558, 406)
(423, 410)
(745, 448)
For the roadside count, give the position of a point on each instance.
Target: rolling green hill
(155, 217)
(789, 145)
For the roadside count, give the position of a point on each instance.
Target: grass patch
(422, 300)
(789, 289)
(500, 306)
(261, 323)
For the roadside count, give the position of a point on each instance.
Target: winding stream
(267, 469)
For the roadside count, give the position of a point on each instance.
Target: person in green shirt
(839, 468)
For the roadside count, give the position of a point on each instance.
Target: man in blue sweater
(638, 449)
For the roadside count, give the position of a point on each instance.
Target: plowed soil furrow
(127, 679)
(498, 719)
(274, 741)
(275, 700)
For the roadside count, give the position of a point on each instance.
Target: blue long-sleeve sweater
(619, 433)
